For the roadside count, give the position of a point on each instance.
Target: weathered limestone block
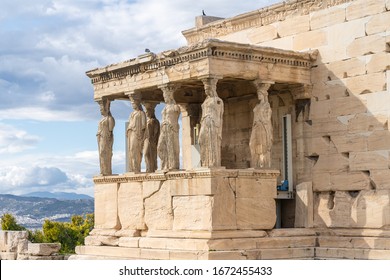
(22, 246)
(380, 178)
(327, 17)
(378, 62)
(339, 37)
(367, 45)
(347, 106)
(360, 254)
(349, 181)
(349, 142)
(43, 249)
(255, 213)
(192, 212)
(378, 23)
(331, 163)
(364, 209)
(224, 212)
(362, 123)
(368, 160)
(320, 109)
(106, 206)
(132, 242)
(101, 240)
(294, 25)
(363, 8)
(347, 68)
(130, 206)
(8, 255)
(379, 140)
(10, 240)
(321, 181)
(263, 34)
(328, 126)
(371, 209)
(158, 208)
(310, 40)
(354, 242)
(367, 83)
(285, 43)
(304, 205)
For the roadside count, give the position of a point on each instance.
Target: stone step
(380, 243)
(351, 254)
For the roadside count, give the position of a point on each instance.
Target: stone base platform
(256, 245)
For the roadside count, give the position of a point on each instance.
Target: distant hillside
(31, 212)
(58, 195)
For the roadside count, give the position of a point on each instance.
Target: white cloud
(13, 140)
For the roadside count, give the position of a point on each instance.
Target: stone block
(351, 254)
(315, 146)
(101, 240)
(109, 251)
(378, 23)
(43, 249)
(22, 246)
(226, 255)
(321, 181)
(346, 68)
(223, 209)
(354, 242)
(131, 206)
(283, 242)
(371, 160)
(285, 43)
(294, 25)
(158, 208)
(132, 242)
(327, 17)
(106, 206)
(331, 163)
(380, 178)
(152, 254)
(192, 212)
(350, 142)
(8, 255)
(371, 209)
(291, 232)
(367, 45)
(304, 205)
(366, 84)
(349, 181)
(251, 187)
(363, 8)
(287, 253)
(263, 34)
(255, 213)
(379, 140)
(309, 40)
(363, 123)
(378, 62)
(233, 244)
(339, 37)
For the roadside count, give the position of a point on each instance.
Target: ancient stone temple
(284, 147)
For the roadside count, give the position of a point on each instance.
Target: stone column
(152, 134)
(261, 138)
(105, 137)
(210, 135)
(135, 134)
(168, 147)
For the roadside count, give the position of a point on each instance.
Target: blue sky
(48, 118)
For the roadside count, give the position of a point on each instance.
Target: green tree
(8, 222)
(69, 234)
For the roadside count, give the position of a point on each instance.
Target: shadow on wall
(349, 146)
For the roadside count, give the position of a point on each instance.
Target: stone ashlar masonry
(342, 152)
(15, 246)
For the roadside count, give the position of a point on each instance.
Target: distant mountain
(31, 212)
(58, 195)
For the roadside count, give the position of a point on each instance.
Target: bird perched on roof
(203, 12)
(147, 50)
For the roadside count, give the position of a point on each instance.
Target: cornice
(264, 16)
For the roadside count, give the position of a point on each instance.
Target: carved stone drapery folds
(152, 134)
(168, 148)
(135, 134)
(261, 139)
(105, 137)
(210, 136)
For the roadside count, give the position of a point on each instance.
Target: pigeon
(203, 12)
(147, 50)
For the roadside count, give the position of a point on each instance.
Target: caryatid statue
(135, 134)
(210, 135)
(261, 139)
(152, 133)
(105, 137)
(168, 147)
